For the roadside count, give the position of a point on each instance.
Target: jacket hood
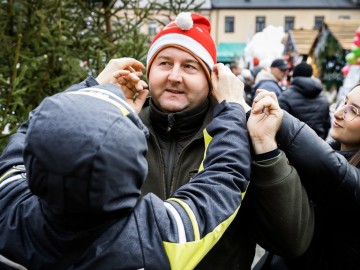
(85, 152)
(308, 86)
(264, 75)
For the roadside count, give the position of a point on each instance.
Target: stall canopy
(343, 31)
(229, 51)
(300, 41)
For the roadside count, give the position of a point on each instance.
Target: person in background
(180, 106)
(248, 80)
(246, 77)
(305, 100)
(75, 204)
(331, 177)
(235, 68)
(270, 79)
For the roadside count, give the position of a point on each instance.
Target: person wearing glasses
(330, 174)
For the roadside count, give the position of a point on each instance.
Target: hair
(355, 159)
(234, 65)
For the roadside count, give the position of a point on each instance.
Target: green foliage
(49, 45)
(329, 57)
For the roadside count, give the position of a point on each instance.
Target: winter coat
(183, 151)
(249, 227)
(334, 187)
(77, 205)
(304, 100)
(265, 80)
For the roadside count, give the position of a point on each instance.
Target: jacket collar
(178, 125)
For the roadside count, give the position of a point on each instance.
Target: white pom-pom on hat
(184, 20)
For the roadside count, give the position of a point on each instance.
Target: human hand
(134, 88)
(226, 86)
(110, 72)
(264, 121)
(126, 73)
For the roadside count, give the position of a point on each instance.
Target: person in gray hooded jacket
(75, 204)
(305, 100)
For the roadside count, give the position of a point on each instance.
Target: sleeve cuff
(266, 156)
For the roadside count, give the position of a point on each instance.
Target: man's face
(177, 81)
(278, 73)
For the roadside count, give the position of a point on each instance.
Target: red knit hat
(189, 32)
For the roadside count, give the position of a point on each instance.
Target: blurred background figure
(306, 100)
(235, 68)
(255, 71)
(248, 80)
(246, 76)
(269, 79)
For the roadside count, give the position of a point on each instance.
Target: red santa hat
(189, 32)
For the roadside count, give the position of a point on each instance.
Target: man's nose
(175, 74)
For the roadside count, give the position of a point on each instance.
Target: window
(260, 23)
(344, 17)
(229, 24)
(152, 29)
(318, 22)
(289, 23)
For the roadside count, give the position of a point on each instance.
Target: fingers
(226, 86)
(264, 102)
(125, 62)
(115, 65)
(260, 93)
(130, 80)
(220, 71)
(140, 100)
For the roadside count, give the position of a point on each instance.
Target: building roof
(286, 4)
(343, 31)
(205, 4)
(302, 39)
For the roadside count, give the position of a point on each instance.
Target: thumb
(140, 99)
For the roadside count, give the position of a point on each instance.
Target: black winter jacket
(262, 219)
(304, 100)
(334, 187)
(77, 205)
(256, 221)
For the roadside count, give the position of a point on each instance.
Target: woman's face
(347, 131)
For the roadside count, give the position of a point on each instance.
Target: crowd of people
(191, 169)
(298, 91)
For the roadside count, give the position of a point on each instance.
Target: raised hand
(126, 72)
(264, 121)
(109, 74)
(134, 88)
(226, 86)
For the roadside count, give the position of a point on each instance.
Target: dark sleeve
(283, 102)
(226, 168)
(88, 82)
(327, 119)
(325, 173)
(199, 212)
(13, 152)
(282, 217)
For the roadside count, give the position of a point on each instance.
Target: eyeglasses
(350, 112)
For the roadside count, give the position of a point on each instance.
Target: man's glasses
(349, 111)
